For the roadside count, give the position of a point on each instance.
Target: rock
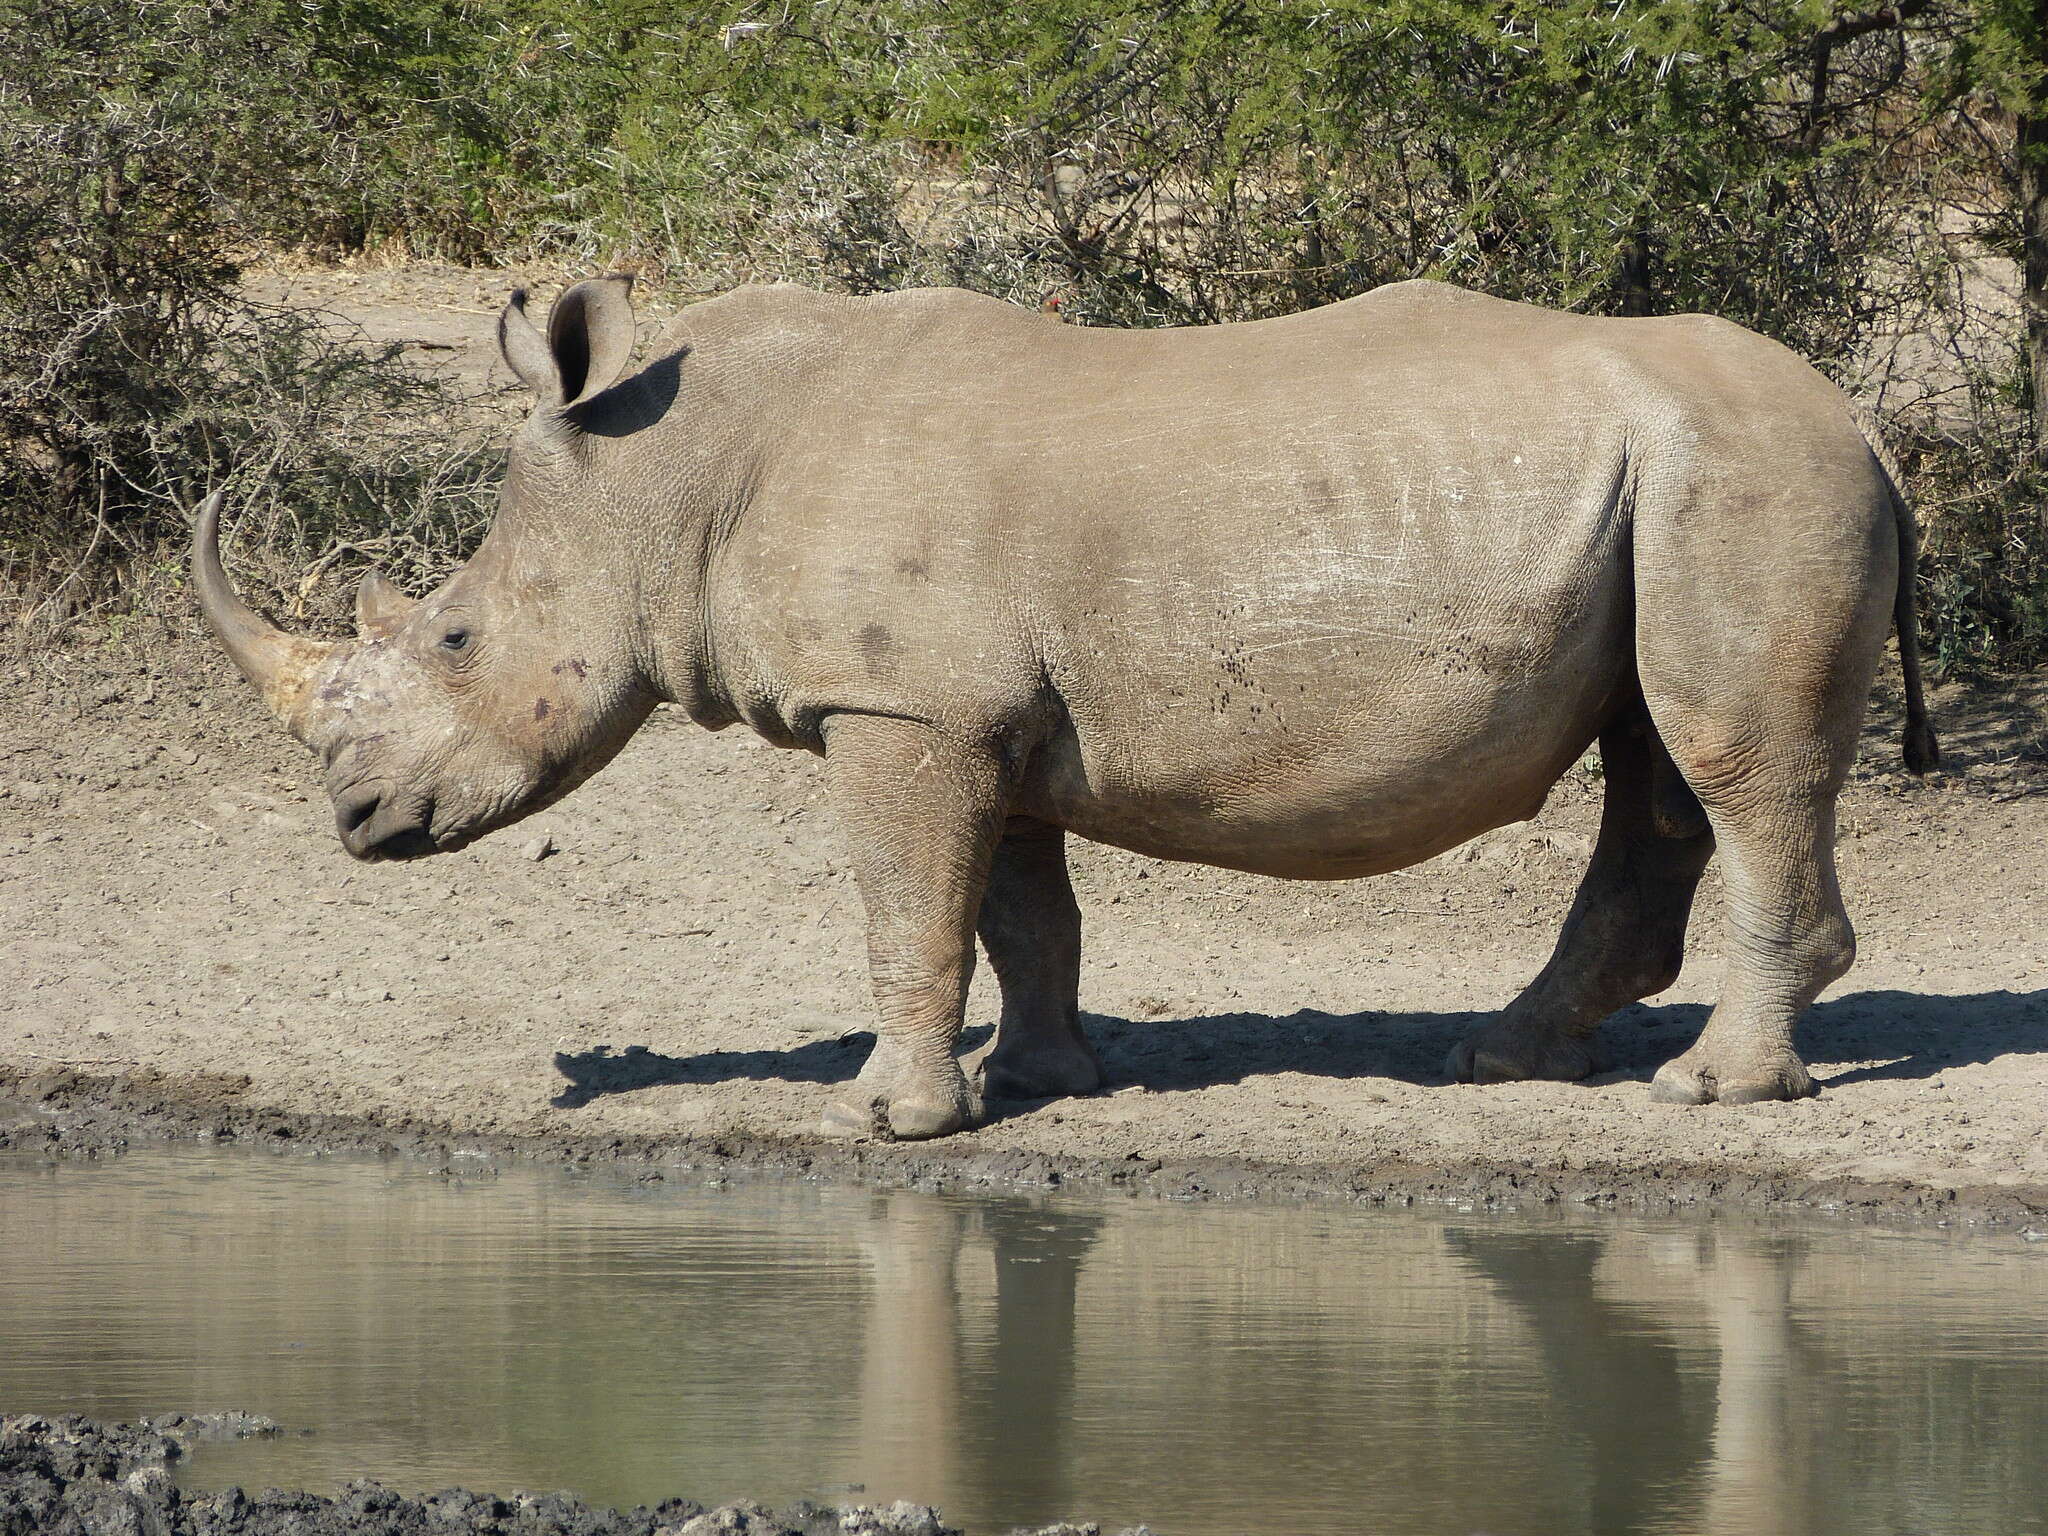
(192, 1428)
(733, 1520)
(538, 849)
(906, 1519)
(80, 1475)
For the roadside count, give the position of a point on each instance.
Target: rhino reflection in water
(1315, 597)
(1658, 1376)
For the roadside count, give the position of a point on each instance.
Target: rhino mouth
(408, 843)
(382, 820)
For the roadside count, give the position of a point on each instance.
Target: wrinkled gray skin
(1315, 597)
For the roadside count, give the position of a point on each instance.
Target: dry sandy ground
(687, 964)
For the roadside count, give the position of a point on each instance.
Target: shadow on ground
(1907, 1034)
(596, 1073)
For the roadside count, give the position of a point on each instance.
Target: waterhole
(1204, 1369)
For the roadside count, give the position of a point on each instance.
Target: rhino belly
(1332, 784)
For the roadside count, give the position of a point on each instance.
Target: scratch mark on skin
(1335, 635)
(573, 664)
(1336, 552)
(540, 709)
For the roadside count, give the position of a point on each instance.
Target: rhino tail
(1922, 751)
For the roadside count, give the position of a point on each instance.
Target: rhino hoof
(1069, 1072)
(1679, 1087)
(845, 1120)
(1496, 1055)
(1778, 1087)
(910, 1121)
(1678, 1082)
(902, 1120)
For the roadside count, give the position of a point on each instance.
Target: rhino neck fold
(707, 424)
(669, 566)
(674, 629)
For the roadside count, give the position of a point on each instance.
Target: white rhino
(1315, 597)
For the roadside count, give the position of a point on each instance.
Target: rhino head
(451, 715)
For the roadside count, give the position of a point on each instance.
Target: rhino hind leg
(1767, 770)
(1624, 938)
(1788, 937)
(1762, 610)
(1030, 925)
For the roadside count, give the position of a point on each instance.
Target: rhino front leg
(921, 814)
(1031, 927)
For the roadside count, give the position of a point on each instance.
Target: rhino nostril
(355, 810)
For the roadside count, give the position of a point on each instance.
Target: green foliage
(1164, 161)
(1998, 52)
(1983, 501)
(140, 147)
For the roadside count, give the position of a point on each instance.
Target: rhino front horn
(282, 666)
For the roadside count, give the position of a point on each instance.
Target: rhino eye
(455, 640)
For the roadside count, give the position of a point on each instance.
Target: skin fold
(1316, 597)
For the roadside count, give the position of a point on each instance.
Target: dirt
(668, 966)
(75, 1476)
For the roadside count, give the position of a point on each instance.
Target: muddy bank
(69, 1114)
(74, 1476)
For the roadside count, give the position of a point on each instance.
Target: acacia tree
(1183, 160)
(1810, 168)
(1992, 85)
(143, 150)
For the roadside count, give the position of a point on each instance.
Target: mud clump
(75, 1476)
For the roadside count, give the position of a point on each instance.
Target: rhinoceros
(1317, 597)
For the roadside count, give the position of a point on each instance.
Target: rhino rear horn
(381, 609)
(589, 341)
(281, 665)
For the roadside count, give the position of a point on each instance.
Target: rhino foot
(1504, 1052)
(1695, 1078)
(1044, 1069)
(910, 1120)
(905, 1118)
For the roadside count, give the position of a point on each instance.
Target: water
(1202, 1368)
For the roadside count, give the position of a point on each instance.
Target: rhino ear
(381, 609)
(589, 341)
(526, 354)
(590, 333)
